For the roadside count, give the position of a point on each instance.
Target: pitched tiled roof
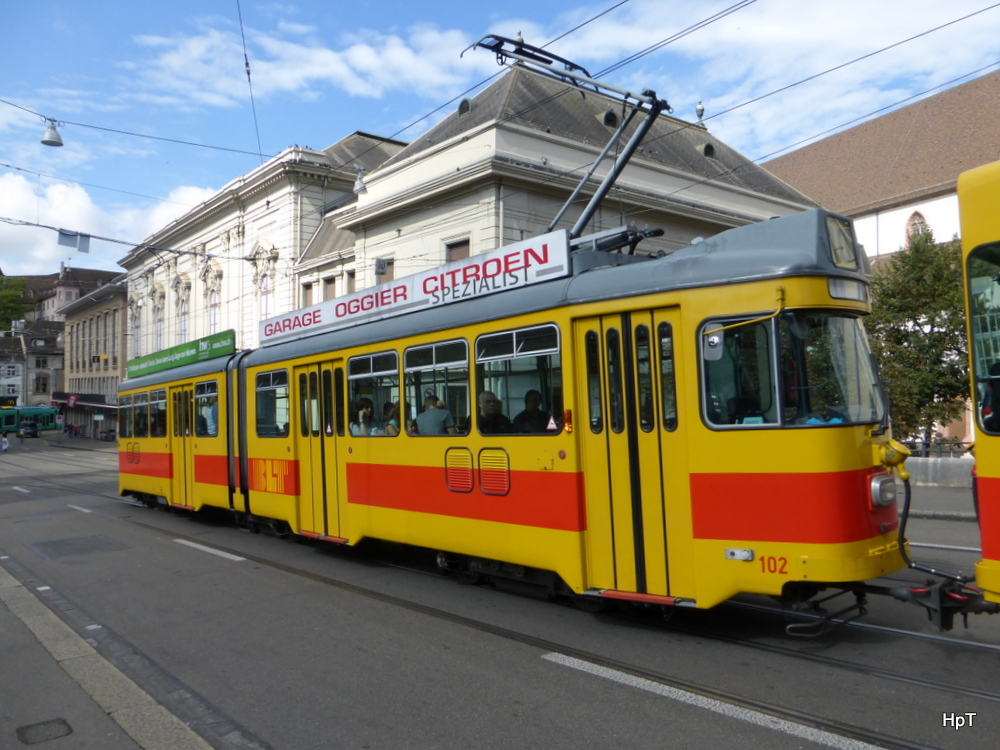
(364, 149)
(913, 153)
(549, 106)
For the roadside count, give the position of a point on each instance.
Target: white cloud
(208, 68)
(33, 250)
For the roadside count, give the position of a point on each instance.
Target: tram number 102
(775, 565)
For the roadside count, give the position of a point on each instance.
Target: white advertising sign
(523, 263)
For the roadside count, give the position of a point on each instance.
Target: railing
(937, 448)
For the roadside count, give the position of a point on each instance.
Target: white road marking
(720, 707)
(82, 510)
(21, 489)
(209, 550)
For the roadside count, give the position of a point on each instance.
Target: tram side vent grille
(494, 471)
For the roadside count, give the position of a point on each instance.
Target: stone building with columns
(312, 225)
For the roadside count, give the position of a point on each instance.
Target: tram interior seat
(744, 410)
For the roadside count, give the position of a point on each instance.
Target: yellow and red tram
(674, 430)
(978, 193)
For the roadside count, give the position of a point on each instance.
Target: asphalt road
(165, 643)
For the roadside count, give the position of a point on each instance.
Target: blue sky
(322, 70)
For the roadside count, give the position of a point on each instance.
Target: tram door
(181, 437)
(315, 430)
(628, 422)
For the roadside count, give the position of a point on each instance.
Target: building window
(41, 363)
(916, 225)
(41, 384)
(265, 297)
(11, 371)
(349, 282)
(158, 331)
(307, 295)
(329, 288)
(213, 313)
(136, 335)
(457, 251)
(184, 322)
(385, 270)
(11, 390)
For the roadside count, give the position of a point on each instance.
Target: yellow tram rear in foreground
(673, 431)
(979, 194)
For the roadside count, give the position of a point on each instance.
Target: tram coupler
(945, 599)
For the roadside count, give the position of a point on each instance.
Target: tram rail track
(859, 734)
(841, 729)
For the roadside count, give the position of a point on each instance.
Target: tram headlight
(883, 491)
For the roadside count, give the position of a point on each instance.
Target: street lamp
(51, 137)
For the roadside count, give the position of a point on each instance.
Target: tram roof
(794, 245)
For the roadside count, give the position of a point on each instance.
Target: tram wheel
(590, 604)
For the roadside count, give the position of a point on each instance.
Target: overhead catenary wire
(246, 61)
(627, 60)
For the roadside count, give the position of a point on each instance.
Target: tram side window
(738, 373)
(158, 414)
(668, 385)
(644, 379)
(519, 382)
(125, 416)
(595, 407)
(983, 272)
(206, 409)
(373, 395)
(309, 403)
(272, 405)
(437, 389)
(140, 415)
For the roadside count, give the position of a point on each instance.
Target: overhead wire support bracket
(560, 69)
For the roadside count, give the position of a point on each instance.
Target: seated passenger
(435, 419)
(390, 416)
(491, 419)
(364, 425)
(533, 419)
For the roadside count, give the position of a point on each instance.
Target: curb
(944, 515)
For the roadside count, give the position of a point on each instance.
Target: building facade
(897, 174)
(229, 262)
(312, 225)
(96, 353)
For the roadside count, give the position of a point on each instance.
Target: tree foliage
(917, 331)
(13, 301)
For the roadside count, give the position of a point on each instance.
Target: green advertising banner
(216, 345)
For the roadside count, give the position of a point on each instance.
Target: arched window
(916, 225)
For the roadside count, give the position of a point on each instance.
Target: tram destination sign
(521, 264)
(209, 347)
